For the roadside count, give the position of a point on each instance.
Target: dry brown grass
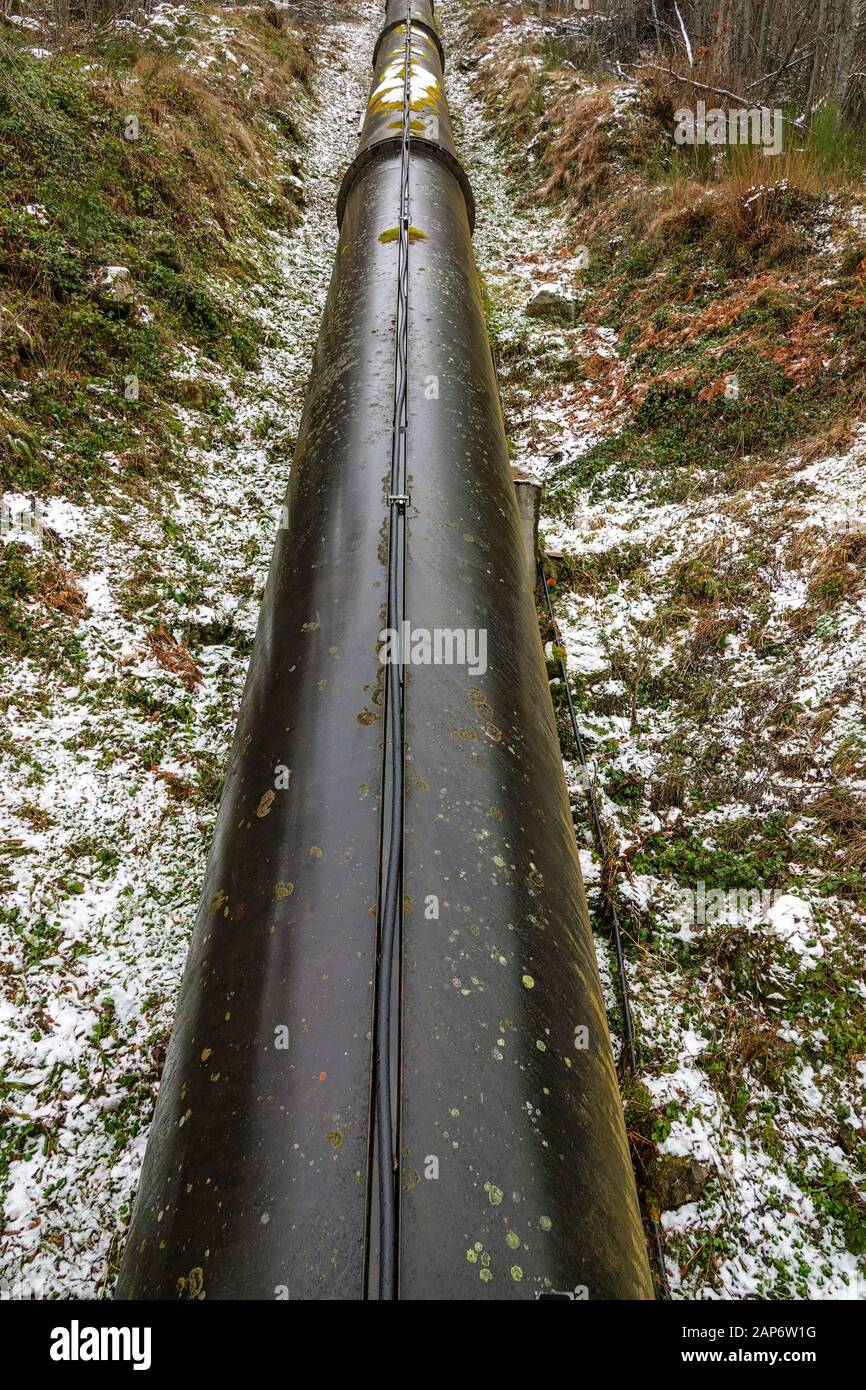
(844, 818)
(171, 656)
(753, 1048)
(840, 570)
(756, 205)
(849, 760)
(522, 97)
(684, 211)
(578, 156)
(835, 440)
(199, 124)
(59, 590)
(178, 789)
(836, 570)
(795, 169)
(211, 123)
(485, 19)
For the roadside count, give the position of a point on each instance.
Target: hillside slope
(693, 401)
(125, 627)
(691, 393)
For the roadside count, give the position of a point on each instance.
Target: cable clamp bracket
(399, 499)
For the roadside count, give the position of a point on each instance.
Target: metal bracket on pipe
(529, 507)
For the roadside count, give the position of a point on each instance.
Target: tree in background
(806, 53)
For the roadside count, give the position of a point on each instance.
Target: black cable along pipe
(430, 131)
(423, 21)
(390, 916)
(513, 1178)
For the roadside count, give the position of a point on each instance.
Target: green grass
(836, 146)
(742, 853)
(29, 627)
(678, 446)
(181, 207)
(837, 1199)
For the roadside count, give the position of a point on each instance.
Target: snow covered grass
(120, 689)
(711, 598)
(136, 193)
(699, 429)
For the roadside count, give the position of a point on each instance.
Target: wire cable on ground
(629, 1059)
(629, 1046)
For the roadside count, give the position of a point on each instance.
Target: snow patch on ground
(759, 988)
(103, 831)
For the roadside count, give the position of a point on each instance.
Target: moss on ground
(184, 207)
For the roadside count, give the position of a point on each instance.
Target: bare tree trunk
(846, 45)
(854, 101)
(764, 33)
(657, 29)
(817, 61)
(724, 34)
(744, 36)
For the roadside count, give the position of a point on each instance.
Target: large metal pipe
(430, 123)
(513, 1170)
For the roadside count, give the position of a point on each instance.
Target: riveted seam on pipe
(419, 24)
(385, 145)
(419, 145)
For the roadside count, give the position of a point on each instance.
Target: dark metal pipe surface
(513, 1177)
